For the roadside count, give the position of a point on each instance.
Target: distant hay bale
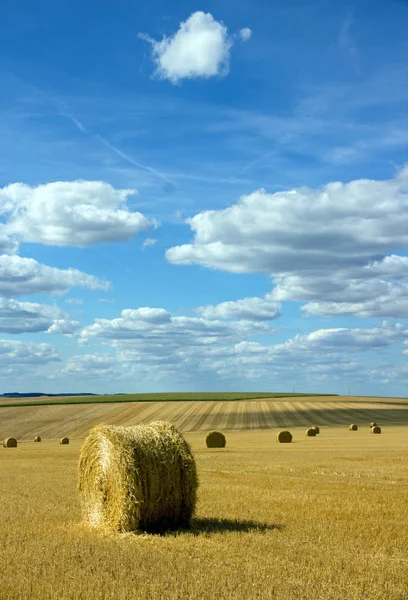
(376, 429)
(10, 442)
(373, 425)
(215, 439)
(37, 438)
(142, 477)
(316, 428)
(64, 440)
(353, 427)
(284, 437)
(311, 432)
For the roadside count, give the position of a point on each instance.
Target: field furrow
(24, 422)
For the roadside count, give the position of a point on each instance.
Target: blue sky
(204, 196)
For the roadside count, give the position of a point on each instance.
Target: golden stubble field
(321, 518)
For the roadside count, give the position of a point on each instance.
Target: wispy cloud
(347, 42)
(148, 242)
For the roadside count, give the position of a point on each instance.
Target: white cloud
(155, 328)
(200, 48)
(148, 242)
(64, 326)
(20, 276)
(77, 301)
(91, 366)
(245, 34)
(13, 354)
(107, 300)
(7, 245)
(152, 345)
(322, 246)
(70, 213)
(252, 309)
(30, 317)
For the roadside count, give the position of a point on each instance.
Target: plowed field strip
(132, 415)
(183, 420)
(199, 424)
(215, 416)
(239, 422)
(255, 423)
(377, 412)
(295, 415)
(224, 417)
(263, 416)
(269, 415)
(316, 413)
(281, 417)
(48, 421)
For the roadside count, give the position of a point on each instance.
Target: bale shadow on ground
(215, 525)
(200, 526)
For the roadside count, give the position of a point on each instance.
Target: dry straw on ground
(10, 443)
(353, 427)
(316, 428)
(373, 424)
(37, 438)
(284, 437)
(64, 440)
(376, 429)
(215, 439)
(137, 478)
(311, 432)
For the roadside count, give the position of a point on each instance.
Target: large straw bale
(284, 437)
(317, 429)
(376, 429)
(311, 432)
(64, 440)
(373, 424)
(215, 439)
(37, 438)
(10, 442)
(142, 477)
(353, 427)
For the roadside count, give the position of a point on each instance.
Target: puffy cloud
(326, 246)
(20, 276)
(91, 365)
(64, 326)
(30, 317)
(13, 354)
(200, 48)
(7, 245)
(252, 309)
(245, 34)
(153, 327)
(70, 213)
(336, 226)
(151, 344)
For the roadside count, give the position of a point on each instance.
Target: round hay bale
(10, 443)
(311, 432)
(373, 424)
(37, 438)
(284, 437)
(376, 429)
(64, 440)
(215, 439)
(317, 429)
(142, 477)
(353, 427)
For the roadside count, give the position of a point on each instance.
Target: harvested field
(75, 421)
(256, 499)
